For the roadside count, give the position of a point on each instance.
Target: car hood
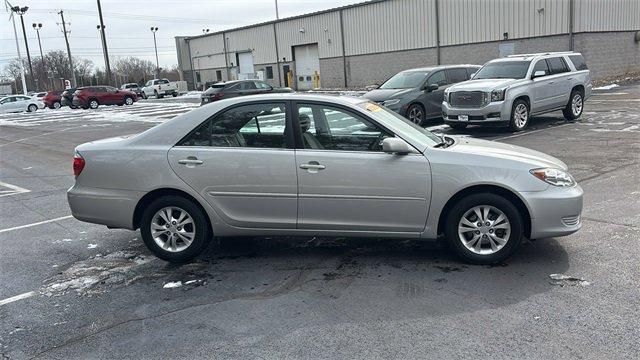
(483, 84)
(498, 150)
(385, 94)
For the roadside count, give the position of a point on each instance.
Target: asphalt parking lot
(76, 290)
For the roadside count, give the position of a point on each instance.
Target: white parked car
(19, 103)
(159, 88)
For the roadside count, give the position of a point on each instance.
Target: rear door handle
(312, 166)
(191, 160)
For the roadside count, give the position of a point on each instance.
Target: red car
(94, 96)
(53, 99)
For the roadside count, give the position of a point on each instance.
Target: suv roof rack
(542, 54)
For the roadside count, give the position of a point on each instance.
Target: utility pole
(15, 34)
(104, 44)
(277, 15)
(20, 11)
(37, 28)
(66, 39)
(155, 45)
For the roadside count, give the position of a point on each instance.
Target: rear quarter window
(578, 62)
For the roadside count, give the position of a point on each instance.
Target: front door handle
(190, 161)
(313, 166)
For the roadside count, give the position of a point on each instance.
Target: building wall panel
(323, 29)
(260, 40)
(606, 15)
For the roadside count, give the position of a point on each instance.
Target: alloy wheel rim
(56, 105)
(521, 115)
(128, 101)
(576, 105)
(415, 115)
(93, 104)
(484, 230)
(172, 229)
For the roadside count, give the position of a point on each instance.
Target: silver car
(299, 164)
(510, 90)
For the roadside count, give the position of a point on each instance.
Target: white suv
(509, 90)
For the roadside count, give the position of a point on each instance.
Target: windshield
(408, 128)
(405, 80)
(503, 70)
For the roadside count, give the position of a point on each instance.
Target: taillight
(78, 164)
(217, 96)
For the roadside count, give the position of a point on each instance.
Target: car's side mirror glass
(538, 73)
(396, 145)
(473, 74)
(432, 87)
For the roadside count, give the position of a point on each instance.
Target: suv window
(541, 65)
(437, 78)
(254, 125)
(457, 75)
(557, 65)
(327, 128)
(262, 86)
(578, 62)
(247, 85)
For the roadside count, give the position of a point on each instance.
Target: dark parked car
(67, 98)
(229, 89)
(417, 94)
(94, 96)
(53, 99)
(133, 87)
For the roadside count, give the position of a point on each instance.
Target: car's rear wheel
(519, 115)
(574, 108)
(128, 100)
(484, 228)
(458, 126)
(57, 105)
(174, 229)
(32, 108)
(93, 104)
(174, 94)
(416, 113)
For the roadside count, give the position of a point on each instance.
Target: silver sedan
(297, 164)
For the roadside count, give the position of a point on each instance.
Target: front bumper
(110, 207)
(498, 112)
(555, 211)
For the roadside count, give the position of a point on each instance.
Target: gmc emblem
(464, 98)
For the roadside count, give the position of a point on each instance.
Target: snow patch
(172, 285)
(92, 246)
(606, 87)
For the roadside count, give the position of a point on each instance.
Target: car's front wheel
(484, 228)
(32, 108)
(416, 113)
(57, 105)
(128, 100)
(174, 229)
(144, 95)
(93, 103)
(519, 115)
(574, 108)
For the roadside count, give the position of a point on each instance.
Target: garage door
(307, 63)
(245, 63)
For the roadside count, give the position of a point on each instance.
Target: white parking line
(532, 132)
(35, 136)
(35, 224)
(17, 298)
(15, 189)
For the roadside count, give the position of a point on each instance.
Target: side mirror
(396, 145)
(472, 75)
(431, 87)
(372, 87)
(538, 74)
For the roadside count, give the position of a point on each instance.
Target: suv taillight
(78, 164)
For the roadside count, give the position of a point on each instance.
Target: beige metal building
(357, 45)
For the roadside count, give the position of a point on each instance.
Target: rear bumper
(555, 211)
(113, 208)
(494, 113)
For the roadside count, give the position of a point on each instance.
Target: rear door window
(557, 65)
(457, 75)
(578, 62)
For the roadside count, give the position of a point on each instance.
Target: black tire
(174, 94)
(158, 96)
(73, 106)
(144, 95)
(569, 114)
(515, 123)
(457, 126)
(93, 103)
(32, 108)
(416, 114)
(455, 215)
(56, 105)
(201, 227)
(128, 101)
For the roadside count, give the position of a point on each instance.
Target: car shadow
(489, 131)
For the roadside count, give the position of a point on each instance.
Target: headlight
(554, 177)
(498, 95)
(446, 96)
(390, 102)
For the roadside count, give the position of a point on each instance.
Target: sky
(128, 24)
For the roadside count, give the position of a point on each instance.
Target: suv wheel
(174, 229)
(144, 95)
(575, 106)
(416, 114)
(484, 228)
(519, 115)
(57, 105)
(93, 103)
(128, 100)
